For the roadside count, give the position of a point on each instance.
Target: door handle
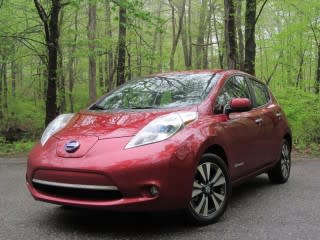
(278, 115)
(258, 120)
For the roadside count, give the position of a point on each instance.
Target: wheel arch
(288, 137)
(219, 151)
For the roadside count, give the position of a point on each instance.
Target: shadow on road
(119, 224)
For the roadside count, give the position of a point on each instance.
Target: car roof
(187, 72)
(201, 71)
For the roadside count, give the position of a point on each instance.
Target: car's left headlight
(56, 125)
(162, 128)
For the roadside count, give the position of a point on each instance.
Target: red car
(169, 141)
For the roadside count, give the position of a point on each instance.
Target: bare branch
(42, 13)
(315, 35)
(139, 35)
(204, 45)
(44, 18)
(268, 80)
(260, 11)
(22, 38)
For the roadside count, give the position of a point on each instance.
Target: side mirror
(239, 105)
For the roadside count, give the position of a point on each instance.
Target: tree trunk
(201, 34)
(240, 34)
(176, 37)
(230, 34)
(92, 60)
(205, 53)
(301, 62)
(250, 44)
(317, 85)
(61, 84)
(5, 89)
(173, 23)
(160, 66)
(101, 79)
(139, 57)
(129, 72)
(71, 63)
(14, 69)
(189, 36)
(122, 45)
(61, 77)
(186, 39)
(155, 39)
(53, 45)
(185, 47)
(1, 77)
(50, 24)
(109, 67)
(220, 53)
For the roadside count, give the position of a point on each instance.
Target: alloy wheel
(285, 160)
(209, 190)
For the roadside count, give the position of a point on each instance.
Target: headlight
(56, 125)
(162, 128)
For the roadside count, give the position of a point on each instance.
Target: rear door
(269, 114)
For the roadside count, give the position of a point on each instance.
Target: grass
(15, 148)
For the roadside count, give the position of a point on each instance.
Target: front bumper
(128, 174)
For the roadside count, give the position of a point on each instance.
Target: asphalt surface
(257, 210)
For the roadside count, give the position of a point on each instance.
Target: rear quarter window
(261, 93)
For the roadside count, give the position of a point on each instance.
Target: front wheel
(211, 190)
(281, 171)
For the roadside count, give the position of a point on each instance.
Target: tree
(92, 46)
(176, 36)
(71, 62)
(50, 26)
(240, 34)
(109, 66)
(122, 45)
(230, 34)
(202, 27)
(250, 42)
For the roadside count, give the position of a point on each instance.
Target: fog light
(154, 191)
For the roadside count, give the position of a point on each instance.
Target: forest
(58, 56)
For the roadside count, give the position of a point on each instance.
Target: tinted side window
(261, 93)
(235, 87)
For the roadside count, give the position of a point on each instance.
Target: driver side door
(241, 132)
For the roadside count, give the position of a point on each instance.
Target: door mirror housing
(240, 105)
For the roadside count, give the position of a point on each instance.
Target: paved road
(258, 210)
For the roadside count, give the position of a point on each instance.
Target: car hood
(109, 124)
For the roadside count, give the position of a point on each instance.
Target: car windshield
(159, 92)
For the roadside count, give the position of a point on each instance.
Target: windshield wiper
(97, 107)
(142, 107)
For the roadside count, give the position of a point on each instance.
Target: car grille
(77, 191)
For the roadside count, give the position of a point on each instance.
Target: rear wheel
(211, 191)
(281, 172)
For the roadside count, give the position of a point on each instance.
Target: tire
(280, 173)
(211, 191)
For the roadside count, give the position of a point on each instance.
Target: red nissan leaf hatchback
(177, 140)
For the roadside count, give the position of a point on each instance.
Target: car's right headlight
(56, 125)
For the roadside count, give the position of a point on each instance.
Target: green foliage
(21, 147)
(303, 113)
